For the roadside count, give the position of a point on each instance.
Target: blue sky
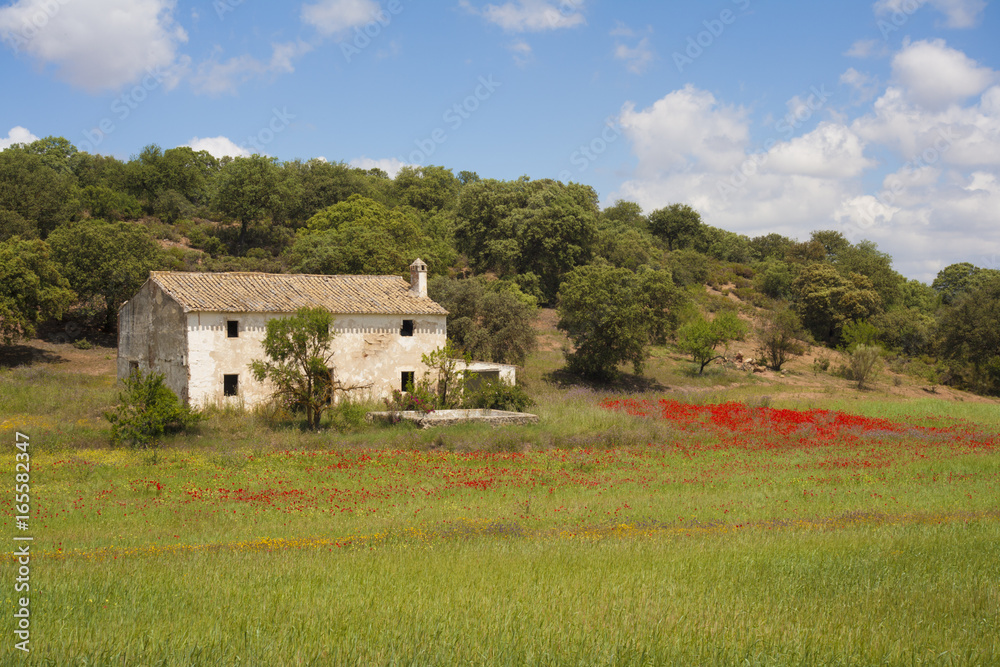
(880, 118)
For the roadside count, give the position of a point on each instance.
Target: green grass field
(620, 530)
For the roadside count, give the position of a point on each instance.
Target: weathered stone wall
(152, 337)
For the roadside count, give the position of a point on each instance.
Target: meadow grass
(593, 537)
(879, 594)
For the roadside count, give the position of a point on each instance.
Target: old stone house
(202, 330)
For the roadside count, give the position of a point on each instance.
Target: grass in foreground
(882, 594)
(730, 535)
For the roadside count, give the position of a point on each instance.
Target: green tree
(12, 224)
(610, 316)
(701, 338)
(780, 334)
(444, 377)
(774, 278)
(970, 334)
(43, 196)
(954, 279)
(518, 227)
(859, 332)
(107, 204)
(825, 299)
(147, 410)
(426, 188)
(488, 321)
(908, 330)
(623, 215)
(108, 260)
(865, 259)
(677, 225)
(31, 288)
(770, 246)
(247, 191)
(834, 243)
(299, 362)
(358, 236)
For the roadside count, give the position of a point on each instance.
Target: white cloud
(830, 151)
(389, 165)
(938, 204)
(686, 128)
(637, 58)
(214, 77)
(957, 13)
(960, 136)
(522, 51)
(532, 15)
(219, 147)
(935, 76)
(335, 17)
(867, 48)
(864, 86)
(100, 44)
(17, 135)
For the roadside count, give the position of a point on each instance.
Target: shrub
(780, 333)
(415, 398)
(147, 410)
(497, 395)
(865, 365)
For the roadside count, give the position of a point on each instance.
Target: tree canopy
(31, 288)
(611, 315)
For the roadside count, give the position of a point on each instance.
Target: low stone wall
(448, 417)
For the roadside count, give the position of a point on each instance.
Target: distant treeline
(80, 232)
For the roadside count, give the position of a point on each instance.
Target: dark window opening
(408, 380)
(133, 367)
(230, 385)
(407, 329)
(233, 328)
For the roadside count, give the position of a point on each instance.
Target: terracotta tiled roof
(285, 293)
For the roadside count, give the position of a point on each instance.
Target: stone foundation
(448, 417)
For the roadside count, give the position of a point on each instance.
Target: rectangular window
(407, 380)
(407, 329)
(233, 328)
(230, 385)
(133, 367)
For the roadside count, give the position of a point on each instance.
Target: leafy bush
(496, 395)
(780, 333)
(147, 410)
(865, 365)
(701, 338)
(416, 399)
(857, 333)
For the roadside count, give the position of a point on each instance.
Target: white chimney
(418, 278)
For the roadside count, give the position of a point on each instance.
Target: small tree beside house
(299, 364)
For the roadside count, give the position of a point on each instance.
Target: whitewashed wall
(368, 350)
